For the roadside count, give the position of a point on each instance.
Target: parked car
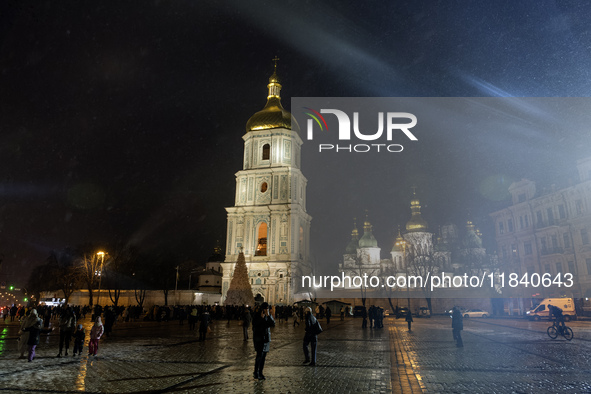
(423, 312)
(475, 313)
(358, 311)
(402, 312)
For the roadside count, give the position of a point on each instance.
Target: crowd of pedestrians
(260, 319)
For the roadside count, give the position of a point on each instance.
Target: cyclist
(557, 313)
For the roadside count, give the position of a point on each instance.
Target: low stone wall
(153, 297)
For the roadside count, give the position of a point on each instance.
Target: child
(79, 336)
(95, 334)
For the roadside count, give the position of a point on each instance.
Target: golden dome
(273, 116)
(416, 222)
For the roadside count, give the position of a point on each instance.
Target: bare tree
(422, 262)
(119, 275)
(90, 265)
(300, 269)
(386, 273)
(363, 269)
(59, 272)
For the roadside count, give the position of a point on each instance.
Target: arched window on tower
(261, 249)
(266, 151)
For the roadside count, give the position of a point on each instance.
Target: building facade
(268, 221)
(548, 232)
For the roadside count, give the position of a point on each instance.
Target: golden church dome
(416, 222)
(273, 116)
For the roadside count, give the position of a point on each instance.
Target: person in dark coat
(35, 331)
(204, 320)
(67, 324)
(364, 316)
(310, 337)
(328, 313)
(79, 336)
(110, 317)
(261, 337)
(409, 319)
(246, 320)
(457, 325)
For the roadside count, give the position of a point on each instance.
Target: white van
(541, 311)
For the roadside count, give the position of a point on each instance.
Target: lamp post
(102, 257)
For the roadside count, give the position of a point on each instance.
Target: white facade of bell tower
(268, 221)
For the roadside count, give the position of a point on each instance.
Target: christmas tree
(240, 292)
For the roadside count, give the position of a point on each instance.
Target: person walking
(342, 313)
(328, 314)
(67, 324)
(311, 337)
(35, 331)
(261, 337)
(96, 332)
(457, 325)
(204, 325)
(409, 319)
(192, 319)
(246, 321)
(29, 321)
(296, 317)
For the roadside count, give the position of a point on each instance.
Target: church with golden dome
(269, 222)
(413, 247)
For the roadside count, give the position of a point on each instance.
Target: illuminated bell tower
(268, 221)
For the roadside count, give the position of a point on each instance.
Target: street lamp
(102, 257)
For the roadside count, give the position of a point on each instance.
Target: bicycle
(556, 329)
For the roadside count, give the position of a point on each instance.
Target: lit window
(261, 249)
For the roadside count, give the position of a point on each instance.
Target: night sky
(122, 122)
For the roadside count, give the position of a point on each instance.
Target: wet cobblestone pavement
(499, 356)
(167, 358)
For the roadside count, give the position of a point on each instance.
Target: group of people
(32, 326)
(263, 321)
